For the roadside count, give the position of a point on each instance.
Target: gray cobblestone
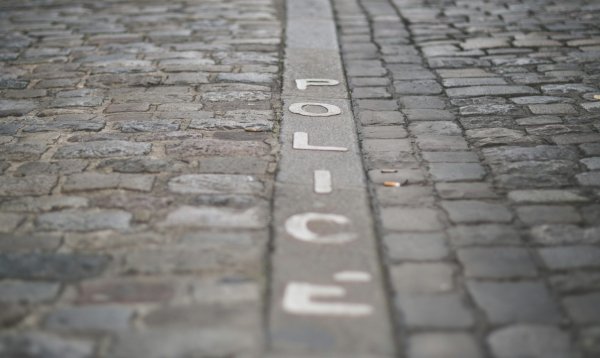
(508, 302)
(530, 340)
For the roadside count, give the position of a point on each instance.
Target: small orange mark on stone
(393, 184)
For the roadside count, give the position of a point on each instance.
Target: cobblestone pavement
(488, 112)
(137, 154)
(139, 142)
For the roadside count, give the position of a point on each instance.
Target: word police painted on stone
(301, 298)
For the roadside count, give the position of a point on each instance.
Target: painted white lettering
(352, 276)
(297, 227)
(300, 142)
(303, 83)
(298, 299)
(298, 108)
(323, 182)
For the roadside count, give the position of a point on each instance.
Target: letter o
(298, 108)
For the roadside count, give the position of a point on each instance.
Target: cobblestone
(140, 142)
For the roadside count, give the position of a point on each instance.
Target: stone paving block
(422, 102)
(429, 115)
(437, 311)
(443, 345)
(441, 143)
(125, 290)
(545, 196)
(9, 222)
(416, 246)
(368, 118)
(98, 181)
(405, 195)
(88, 220)
(29, 292)
(450, 172)
(157, 343)
(411, 219)
(90, 318)
(589, 179)
(215, 184)
(423, 278)
(102, 149)
(570, 257)
(384, 132)
(538, 214)
(526, 340)
(515, 302)
(497, 262)
(465, 190)
(422, 87)
(474, 211)
(433, 127)
(450, 157)
(44, 266)
(548, 109)
(490, 91)
(30, 185)
(205, 216)
(583, 309)
(40, 344)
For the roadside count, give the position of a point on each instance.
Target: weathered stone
(215, 184)
(230, 96)
(206, 216)
(9, 222)
(140, 165)
(422, 278)
(570, 257)
(98, 181)
(16, 107)
(472, 211)
(247, 119)
(45, 203)
(30, 185)
(410, 219)
(497, 262)
(29, 292)
(446, 310)
(545, 196)
(95, 318)
(508, 302)
(456, 171)
(416, 246)
(443, 345)
(583, 309)
(490, 91)
(54, 167)
(541, 214)
(103, 149)
(465, 190)
(530, 341)
(84, 220)
(63, 267)
(38, 345)
(212, 147)
(564, 234)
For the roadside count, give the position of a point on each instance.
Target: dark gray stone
(60, 267)
(515, 302)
